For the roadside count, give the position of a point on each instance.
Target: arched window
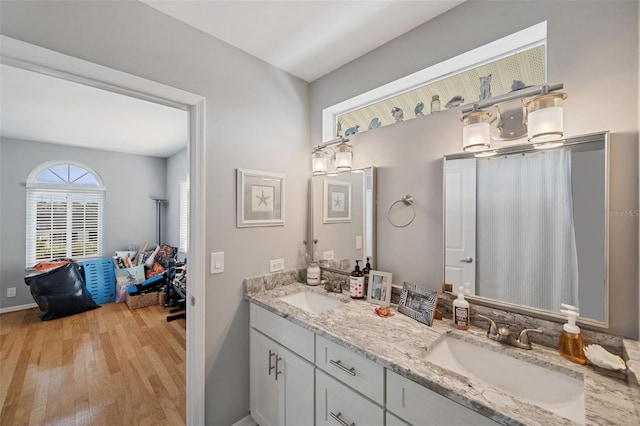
(65, 212)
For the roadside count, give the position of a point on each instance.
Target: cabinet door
(295, 389)
(420, 406)
(337, 405)
(264, 388)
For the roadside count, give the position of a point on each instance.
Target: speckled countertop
(399, 344)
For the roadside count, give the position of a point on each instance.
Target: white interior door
(460, 223)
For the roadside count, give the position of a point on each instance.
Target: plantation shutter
(63, 224)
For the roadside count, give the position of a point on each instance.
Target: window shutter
(184, 216)
(86, 225)
(63, 225)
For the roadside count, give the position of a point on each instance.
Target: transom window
(510, 63)
(65, 212)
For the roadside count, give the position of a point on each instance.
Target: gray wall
(177, 170)
(257, 118)
(592, 49)
(129, 211)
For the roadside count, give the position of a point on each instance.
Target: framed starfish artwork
(337, 201)
(260, 198)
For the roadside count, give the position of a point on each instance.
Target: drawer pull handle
(338, 418)
(278, 359)
(271, 367)
(338, 364)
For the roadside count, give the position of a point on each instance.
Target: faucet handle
(523, 338)
(493, 328)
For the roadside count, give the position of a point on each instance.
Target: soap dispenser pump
(570, 344)
(356, 283)
(461, 310)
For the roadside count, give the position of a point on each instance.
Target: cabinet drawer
(286, 333)
(337, 405)
(418, 405)
(354, 370)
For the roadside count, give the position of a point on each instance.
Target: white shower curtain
(526, 238)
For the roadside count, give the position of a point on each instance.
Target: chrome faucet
(333, 287)
(504, 334)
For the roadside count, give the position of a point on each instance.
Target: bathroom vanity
(356, 368)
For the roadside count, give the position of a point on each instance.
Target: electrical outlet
(11, 292)
(328, 255)
(276, 265)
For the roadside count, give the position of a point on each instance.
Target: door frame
(34, 58)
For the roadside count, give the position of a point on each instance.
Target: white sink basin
(545, 388)
(311, 302)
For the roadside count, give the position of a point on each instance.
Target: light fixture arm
(336, 141)
(518, 94)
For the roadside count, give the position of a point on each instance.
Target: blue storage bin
(100, 279)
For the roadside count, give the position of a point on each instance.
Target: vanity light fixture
(318, 162)
(542, 118)
(545, 119)
(341, 156)
(476, 133)
(344, 158)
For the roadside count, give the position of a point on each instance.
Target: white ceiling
(305, 38)
(41, 108)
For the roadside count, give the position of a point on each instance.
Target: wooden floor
(108, 366)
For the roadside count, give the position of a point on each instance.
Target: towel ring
(407, 200)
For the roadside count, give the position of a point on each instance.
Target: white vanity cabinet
(357, 372)
(418, 405)
(281, 382)
(336, 404)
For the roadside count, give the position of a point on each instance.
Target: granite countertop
(399, 344)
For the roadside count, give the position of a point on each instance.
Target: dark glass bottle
(365, 272)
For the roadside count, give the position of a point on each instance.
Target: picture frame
(337, 201)
(379, 291)
(260, 198)
(418, 303)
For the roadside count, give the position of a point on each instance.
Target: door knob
(467, 260)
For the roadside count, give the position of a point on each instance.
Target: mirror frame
(525, 310)
(374, 220)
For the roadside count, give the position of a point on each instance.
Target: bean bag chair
(60, 292)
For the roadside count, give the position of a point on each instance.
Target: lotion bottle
(313, 273)
(356, 283)
(461, 311)
(570, 344)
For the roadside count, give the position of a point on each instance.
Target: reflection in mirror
(529, 227)
(343, 218)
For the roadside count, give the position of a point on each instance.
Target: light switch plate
(11, 292)
(358, 242)
(328, 255)
(217, 262)
(276, 265)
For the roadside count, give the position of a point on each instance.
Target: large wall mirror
(529, 228)
(343, 219)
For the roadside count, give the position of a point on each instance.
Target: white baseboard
(18, 308)
(246, 421)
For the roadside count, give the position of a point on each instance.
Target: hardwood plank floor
(108, 366)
